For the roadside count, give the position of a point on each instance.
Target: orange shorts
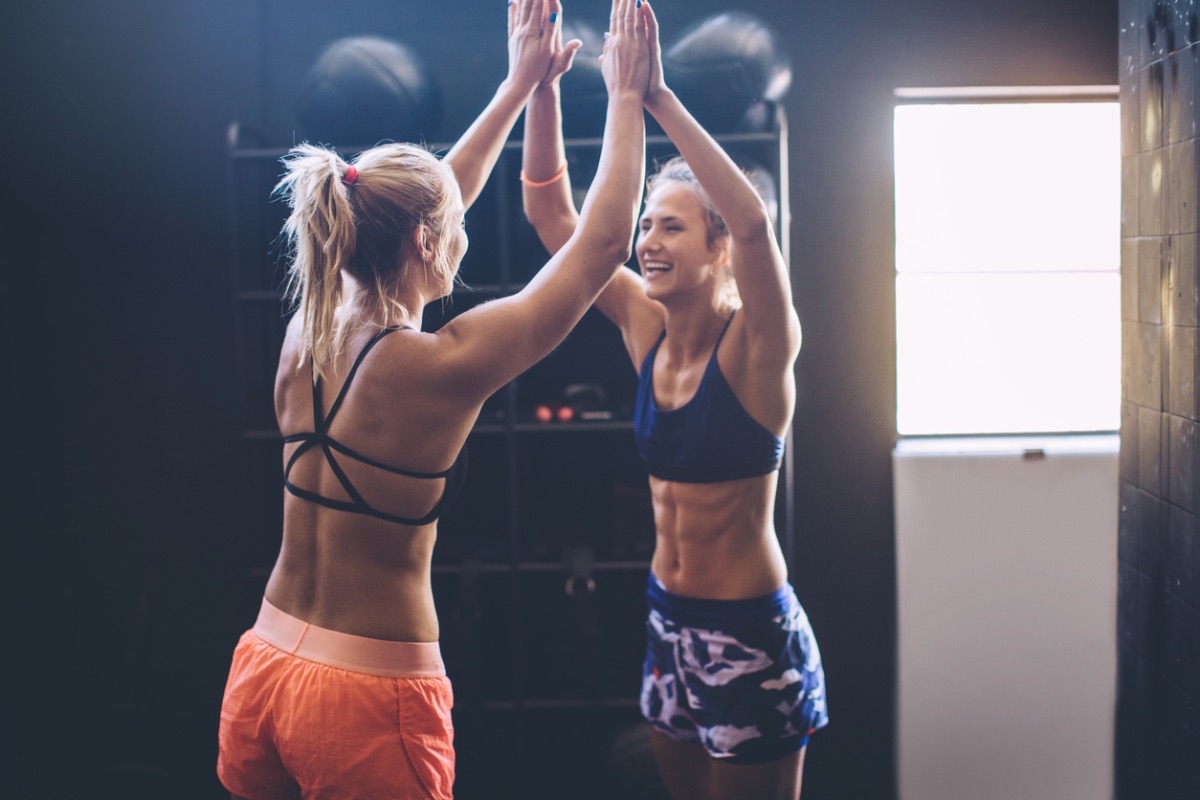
(314, 713)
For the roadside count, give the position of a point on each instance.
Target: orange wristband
(553, 179)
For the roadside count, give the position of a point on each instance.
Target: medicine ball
(722, 66)
(584, 96)
(365, 89)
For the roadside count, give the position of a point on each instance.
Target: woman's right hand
(625, 60)
(533, 42)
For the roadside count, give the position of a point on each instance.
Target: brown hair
(364, 227)
(677, 170)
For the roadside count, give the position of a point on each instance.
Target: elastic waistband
(347, 651)
(704, 612)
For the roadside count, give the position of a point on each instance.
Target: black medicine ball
(724, 65)
(365, 89)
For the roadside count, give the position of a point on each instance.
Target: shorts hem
(239, 791)
(783, 749)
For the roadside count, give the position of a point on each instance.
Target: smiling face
(676, 248)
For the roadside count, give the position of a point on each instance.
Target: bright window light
(1008, 267)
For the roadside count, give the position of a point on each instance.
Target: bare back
(348, 571)
(417, 395)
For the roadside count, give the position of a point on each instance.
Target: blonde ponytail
(360, 220)
(321, 233)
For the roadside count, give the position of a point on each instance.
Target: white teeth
(657, 266)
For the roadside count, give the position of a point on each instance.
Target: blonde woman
(732, 679)
(339, 690)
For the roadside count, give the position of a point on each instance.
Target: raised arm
(545, 180)
(550, 207)
(758, 265)
(532, 33)
(493, 343)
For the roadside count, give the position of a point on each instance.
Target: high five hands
(630, 61)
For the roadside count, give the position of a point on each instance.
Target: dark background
(122, 570)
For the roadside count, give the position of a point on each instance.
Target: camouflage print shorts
(741, 677)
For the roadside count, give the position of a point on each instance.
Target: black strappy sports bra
(320, 437)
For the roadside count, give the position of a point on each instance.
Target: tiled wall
(1158, 707)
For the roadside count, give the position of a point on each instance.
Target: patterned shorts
(741, 677)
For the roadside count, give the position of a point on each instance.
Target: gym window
(1007, 260)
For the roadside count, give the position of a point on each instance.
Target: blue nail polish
(554, 17)
(639, 3)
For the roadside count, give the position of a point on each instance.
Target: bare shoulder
(647, 322)
(401, 356)
(768, 318)
(413, 363)
(290, 352)
(288, 370)
(639, 318)
(761, 355)
(760, 371)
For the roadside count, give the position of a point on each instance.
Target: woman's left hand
(564, 55)
(657, 84)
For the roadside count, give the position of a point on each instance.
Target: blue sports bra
(708, 439)
(319, 437)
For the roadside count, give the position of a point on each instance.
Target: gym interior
(140, 136)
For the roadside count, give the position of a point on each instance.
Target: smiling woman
(711, 327)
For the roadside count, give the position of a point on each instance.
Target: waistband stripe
(708, 613)
(346, 651)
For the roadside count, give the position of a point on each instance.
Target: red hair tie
(351, 175)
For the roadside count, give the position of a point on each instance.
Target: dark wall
(122, 572)
(1158, 713)
(115, 551)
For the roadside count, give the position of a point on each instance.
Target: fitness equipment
(580, 401)
(365, 89)
(548, 413)
(724, 66)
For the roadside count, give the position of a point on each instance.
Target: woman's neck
(362, 309)
(692, 329)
